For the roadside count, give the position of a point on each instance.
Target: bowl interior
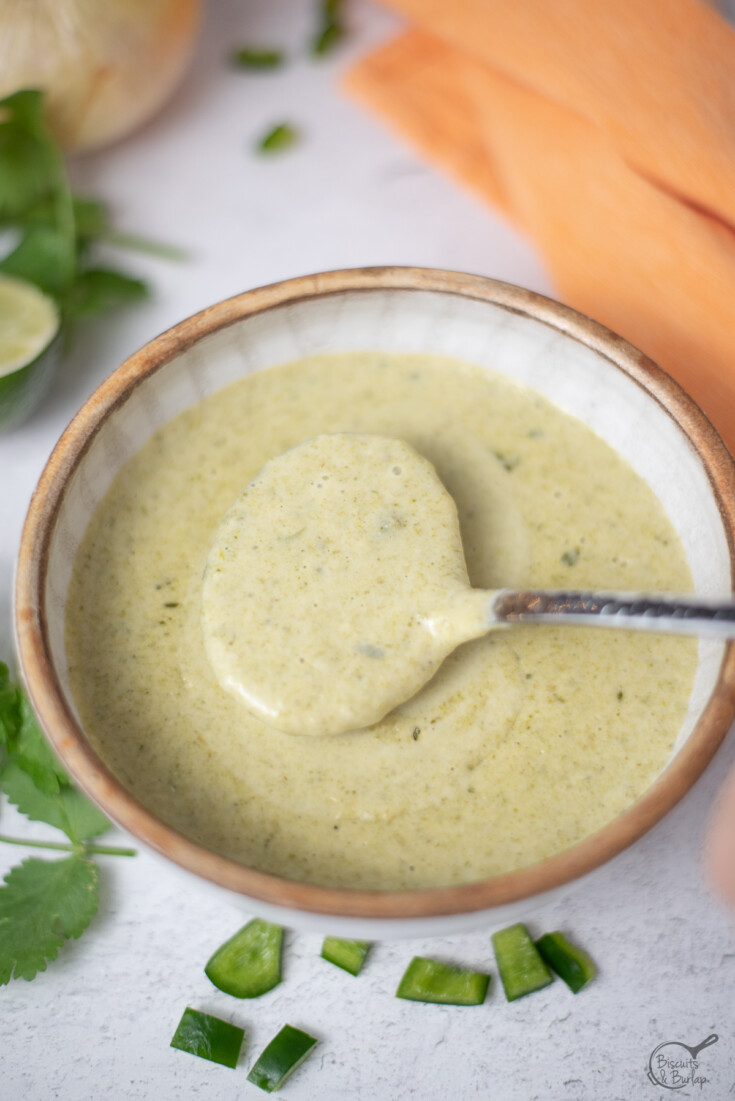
(578, 378)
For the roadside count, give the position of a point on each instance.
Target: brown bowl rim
(91, 774)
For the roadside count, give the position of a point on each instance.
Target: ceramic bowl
(581, 366)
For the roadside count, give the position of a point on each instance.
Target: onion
(106, 65)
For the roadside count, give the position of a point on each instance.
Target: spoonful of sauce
(336, 585)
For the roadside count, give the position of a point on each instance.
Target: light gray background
(97, 1024)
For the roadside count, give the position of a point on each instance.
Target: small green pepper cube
(522, 969)
(208, 1037)
(350, 955)
(571, 964)
(283, 1055)
(248, 964)
(430, 981)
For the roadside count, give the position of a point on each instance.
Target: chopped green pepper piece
(350, 955)
(284, 1054)
(280, 137)
(430, 981)
(208, 1037)
(250, 57)
(571, 964)
(521, 968)
(248, 964)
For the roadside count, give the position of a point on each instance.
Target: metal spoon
(667, 613)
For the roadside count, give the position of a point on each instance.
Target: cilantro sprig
(56, 228)
(44, 902)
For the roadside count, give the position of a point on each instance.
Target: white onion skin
(106, 65)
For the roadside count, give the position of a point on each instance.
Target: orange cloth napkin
(605, 131)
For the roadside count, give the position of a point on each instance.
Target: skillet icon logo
(674, 1064)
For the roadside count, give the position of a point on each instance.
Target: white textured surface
(98, 1023)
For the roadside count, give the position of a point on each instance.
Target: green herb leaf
(91, 217)
(327, 39)
(33, 753)
(57, 228)
(30, 164)
(68, 809)
(43, 257)
(250, 57)
(32, 174)
(331, 30)
(41, 903)
(97, 290)
(280, 137)
(9, 709)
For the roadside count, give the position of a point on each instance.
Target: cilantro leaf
(327, 39)
(255, 57)
(279, 137)
(91, 217)
(9, 709)
(99, 289)
(43, 257)
(30, 163)
(33, 174)
(85, 820)
(56, 228)
(41, 903)
(68, 809)
(33, 753)
(331, 30)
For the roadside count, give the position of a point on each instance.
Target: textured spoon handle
(681, 615)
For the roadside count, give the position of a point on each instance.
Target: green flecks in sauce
(545, 771)
(329, 633)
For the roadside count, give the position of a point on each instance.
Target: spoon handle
(665, 612)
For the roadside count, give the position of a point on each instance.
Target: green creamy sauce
(336, 585)
(523, 743)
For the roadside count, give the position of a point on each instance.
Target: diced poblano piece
(521, 968)
(208, 1037)
(248, 964)
(283, 1055)
(350, 955)
(571, 964)
(431, 981)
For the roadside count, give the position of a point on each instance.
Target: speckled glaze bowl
(581, 366)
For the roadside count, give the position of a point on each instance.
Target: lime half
(29, 347)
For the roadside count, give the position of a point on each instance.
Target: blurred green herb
(43, 902)
(57, 228)
(279, 138)
(97, 290)
(253, 58)
(331, 29)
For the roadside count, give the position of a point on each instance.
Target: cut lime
(29, 347)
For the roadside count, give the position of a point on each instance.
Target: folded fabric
(606, 133)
